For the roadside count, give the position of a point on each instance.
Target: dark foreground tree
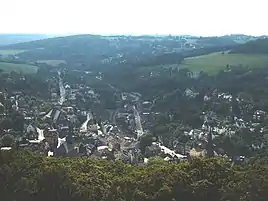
(26, 176)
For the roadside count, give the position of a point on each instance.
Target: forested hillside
(259, 46)
(8, 39)
(25, 176)
(100, 52)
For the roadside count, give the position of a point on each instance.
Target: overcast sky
(194, 17)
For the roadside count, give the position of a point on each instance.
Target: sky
(137, 17)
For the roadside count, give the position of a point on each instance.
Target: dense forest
(253, 47)
(25, 176)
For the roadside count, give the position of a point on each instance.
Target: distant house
(196, 152)
(28, 118)
(30, 129)
(259, 115)
(62, 147)
(5, 148)
(51, 136)
(31, 132)
(54, 96)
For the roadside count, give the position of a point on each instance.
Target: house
(51, 136)
(54, 96)
(189, 93)
(28, 118)
(68, 109)
(5, 148)
(146, 104)
(50, 153)
(31, 132)
(197, 152)
(102, 148)
(62, 148)
(259, 115)
(30, 129)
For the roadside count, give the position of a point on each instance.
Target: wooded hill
(8, 39)
(259, 46)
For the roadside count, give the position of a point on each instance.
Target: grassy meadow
(215, 62)
(11, 52)
(24, 68)
(52, 62)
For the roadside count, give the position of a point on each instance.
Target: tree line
(26, 176)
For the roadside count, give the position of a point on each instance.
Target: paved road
(139, 128)
(84, 125)
(62, 90)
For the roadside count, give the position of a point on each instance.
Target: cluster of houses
(58, 132)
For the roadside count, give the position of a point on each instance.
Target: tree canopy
(26, 176)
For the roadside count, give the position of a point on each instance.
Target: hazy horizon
(122, 34)
(128, 17)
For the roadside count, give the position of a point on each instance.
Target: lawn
(215, 62)
(11, 52)
(24, 68)
(52, 62)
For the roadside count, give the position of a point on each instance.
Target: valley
(83, 109)
(133, 100)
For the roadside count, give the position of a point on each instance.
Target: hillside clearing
(24, 68)
(11, 52)
(215, 62)
(52, 62)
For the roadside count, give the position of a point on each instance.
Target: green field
(24, 68)
(215, 62)
(52, 62)
(11, 52)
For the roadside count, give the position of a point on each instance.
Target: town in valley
(112, 102)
